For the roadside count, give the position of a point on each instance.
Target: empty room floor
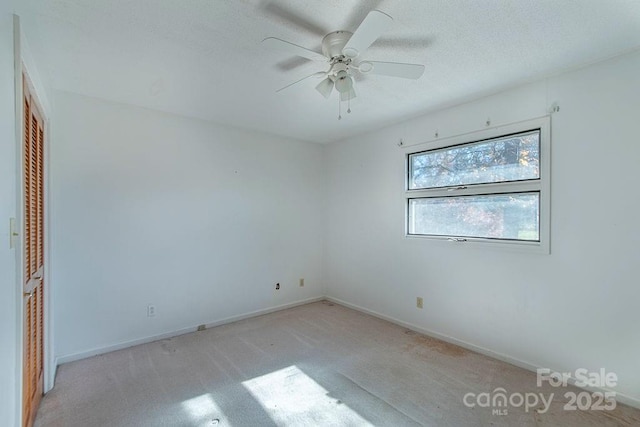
(316, 364)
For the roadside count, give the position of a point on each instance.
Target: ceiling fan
(342, 51)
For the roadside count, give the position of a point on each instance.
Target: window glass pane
(495, 216)
(510, 158)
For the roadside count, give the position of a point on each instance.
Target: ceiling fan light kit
(348, 95)
(325, 87)
(344, 83)
(341, 51)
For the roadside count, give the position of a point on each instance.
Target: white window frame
(542, 185)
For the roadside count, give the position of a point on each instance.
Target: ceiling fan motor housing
(333, 43)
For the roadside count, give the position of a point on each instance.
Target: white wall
(198, 219)
(578, 306)
(8, 312)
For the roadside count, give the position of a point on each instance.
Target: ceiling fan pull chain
(339, 108)
(349, 104)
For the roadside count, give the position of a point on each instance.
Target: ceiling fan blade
(369, 30)
(350, 94)
(325, 87)
(397, 69)
(275, 43)
(294, 17)
(319, 73)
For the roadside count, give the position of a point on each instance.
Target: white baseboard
(125, 344)
(620, 397)
(264, 311)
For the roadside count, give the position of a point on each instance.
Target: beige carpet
(318, 364)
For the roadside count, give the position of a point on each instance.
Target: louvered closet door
(33, 157)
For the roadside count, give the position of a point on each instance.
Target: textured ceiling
(204, 58)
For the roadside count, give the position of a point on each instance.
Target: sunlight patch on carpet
(291, 397)
(202, 410)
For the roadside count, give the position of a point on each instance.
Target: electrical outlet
(419, 302)
(301, 282)
(202, 327)
(151, 310)
(277, 286)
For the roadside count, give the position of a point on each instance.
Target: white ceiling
(204, 58)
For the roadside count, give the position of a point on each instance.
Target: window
(492, 187)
